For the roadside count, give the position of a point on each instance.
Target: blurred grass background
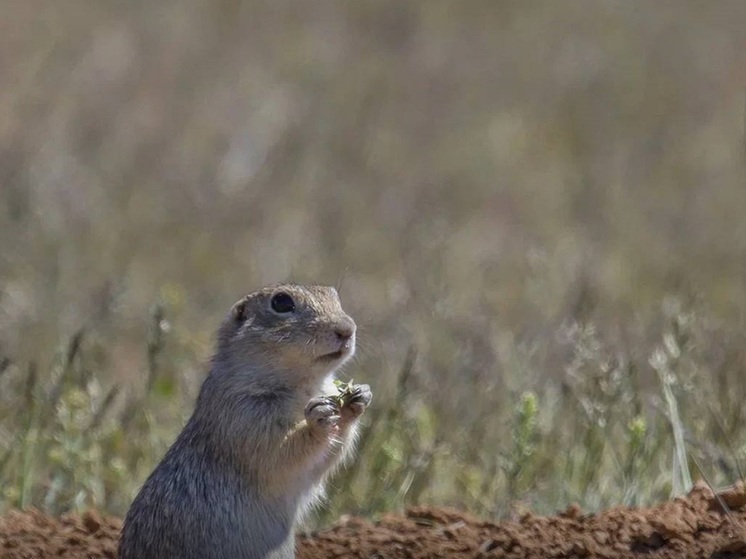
(534, 211)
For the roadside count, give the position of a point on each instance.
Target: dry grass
(535, 214)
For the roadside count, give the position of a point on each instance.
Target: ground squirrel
(263, 435)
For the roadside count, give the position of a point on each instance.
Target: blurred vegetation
(534, 211)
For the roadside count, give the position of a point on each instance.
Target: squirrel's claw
(322, 412)
(358, 399)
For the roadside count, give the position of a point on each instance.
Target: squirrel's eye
(282, 303)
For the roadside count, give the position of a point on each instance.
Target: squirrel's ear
(240, 311)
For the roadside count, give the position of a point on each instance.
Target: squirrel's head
(299, 332)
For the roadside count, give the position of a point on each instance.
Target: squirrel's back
(193, 507)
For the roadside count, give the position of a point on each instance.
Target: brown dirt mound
(692, 527)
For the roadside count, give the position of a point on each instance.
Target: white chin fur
(327, 387)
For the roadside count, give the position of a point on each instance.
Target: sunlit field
(535, 212)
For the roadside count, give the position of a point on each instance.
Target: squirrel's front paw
(356, 401)
(322, 414)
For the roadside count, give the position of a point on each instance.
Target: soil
(696, 526)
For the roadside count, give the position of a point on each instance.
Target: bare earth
(695, 526)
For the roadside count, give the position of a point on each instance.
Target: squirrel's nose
(344, 329)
